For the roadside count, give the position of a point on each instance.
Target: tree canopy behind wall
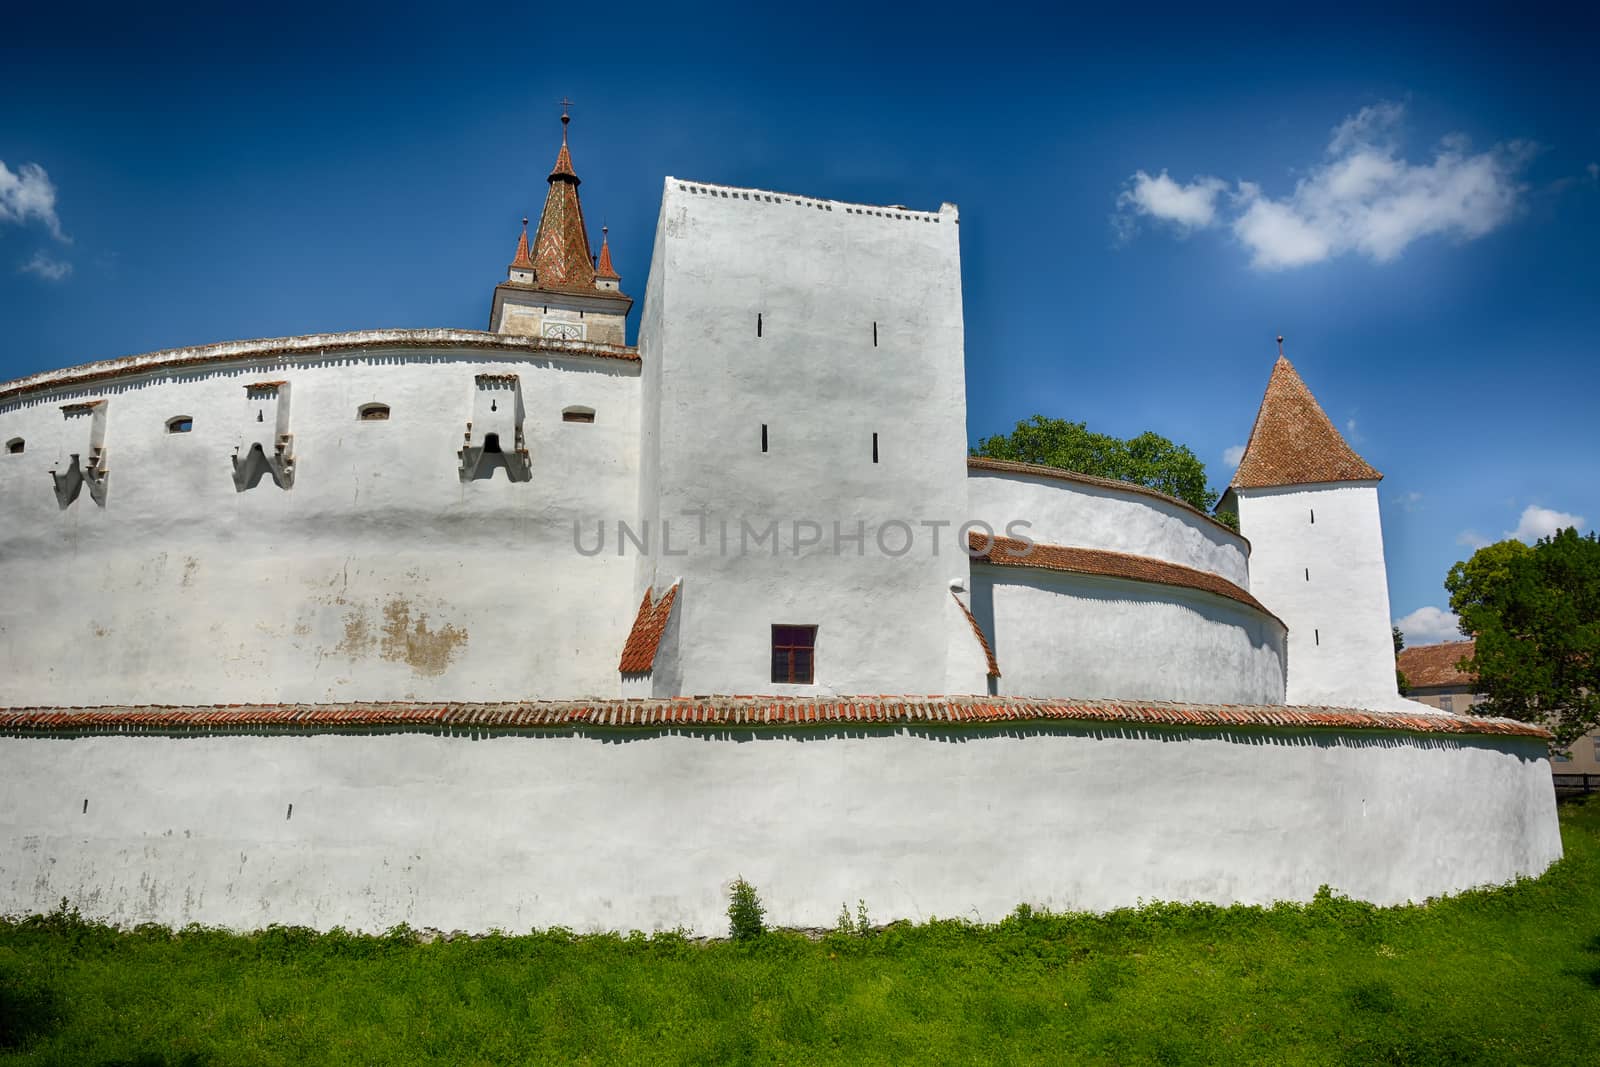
(1535, 616)
(1149, 460)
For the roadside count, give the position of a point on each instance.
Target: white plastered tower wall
(1317, 562)
(785, 340)
(1309, 505)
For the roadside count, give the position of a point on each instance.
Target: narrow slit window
(758, 324)
(1316, 635)
(1308, 574)
(372, 412)
(763, 437)
(14, 446)
(180, 424)
(794, 654)
(874, 335)
(577, 414)
(874, 448)
(1313, 516)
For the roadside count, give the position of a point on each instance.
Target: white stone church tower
(1309, 505)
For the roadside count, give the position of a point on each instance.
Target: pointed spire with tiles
(1294, 442)
(555, 288)
(561, 257)
(605, 275)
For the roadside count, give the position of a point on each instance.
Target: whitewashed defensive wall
(380, 568)
(639, 814)
(1126, 592)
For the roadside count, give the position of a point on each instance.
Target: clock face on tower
(563, 331)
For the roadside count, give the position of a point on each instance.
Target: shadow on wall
(1532, 749)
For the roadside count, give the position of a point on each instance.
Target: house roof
(639, 652)
(1293, 441)
(1099, 562)
(1435, 665)
(977, 631)
(720, 712)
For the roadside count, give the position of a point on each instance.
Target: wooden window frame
(795, 638)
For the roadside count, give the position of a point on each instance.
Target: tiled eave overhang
(754, 712)
(310, 346)
(1103, 563)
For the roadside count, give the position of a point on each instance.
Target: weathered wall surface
(1092, 516)
(379, 575)
(826, 323)
(1105, 637)
(620, 830)
(1317, 563)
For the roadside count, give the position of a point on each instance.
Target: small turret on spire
(523, 259)
(605, 271)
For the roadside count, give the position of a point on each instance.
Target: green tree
(1402, 683)
(1149, 459)
(1535, 616)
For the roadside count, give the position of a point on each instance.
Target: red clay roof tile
(1293, 441)
(722, 711)
(988, 652)
(1012, 552)
(1431, 665)
(639, 652)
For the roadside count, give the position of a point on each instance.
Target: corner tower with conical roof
(554, 288)
(1309, 505)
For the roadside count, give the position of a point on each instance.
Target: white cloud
(45, 267)
(1429, 626)
(1537, 522)
(1189, 207)
(1232, 455)
(1363, 197)
(1410, 501)
(1472, 539)
(1352, 433)
(28, 195)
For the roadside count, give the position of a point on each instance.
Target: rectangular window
(874, 335)
(1557, 757)
(758, 324)
(763, 437)
(1445, 703)
(794, 654)
(874, 448)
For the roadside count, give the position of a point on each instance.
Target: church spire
(561, 256)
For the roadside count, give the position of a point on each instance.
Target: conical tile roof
(1294, 442)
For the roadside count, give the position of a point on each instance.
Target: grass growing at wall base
(1500, 976)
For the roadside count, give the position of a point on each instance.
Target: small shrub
(746, 915)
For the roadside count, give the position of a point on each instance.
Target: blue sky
(1147, 200)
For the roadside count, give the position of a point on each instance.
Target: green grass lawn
(1509, 975)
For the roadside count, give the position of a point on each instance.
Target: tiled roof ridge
(1293, 442)
(1430, 665)
(1105, 563)
(639, 651)
(988, 650)
(1012, 466)
(307, 345)
(736, 711)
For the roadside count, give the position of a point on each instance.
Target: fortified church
(451, 627)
